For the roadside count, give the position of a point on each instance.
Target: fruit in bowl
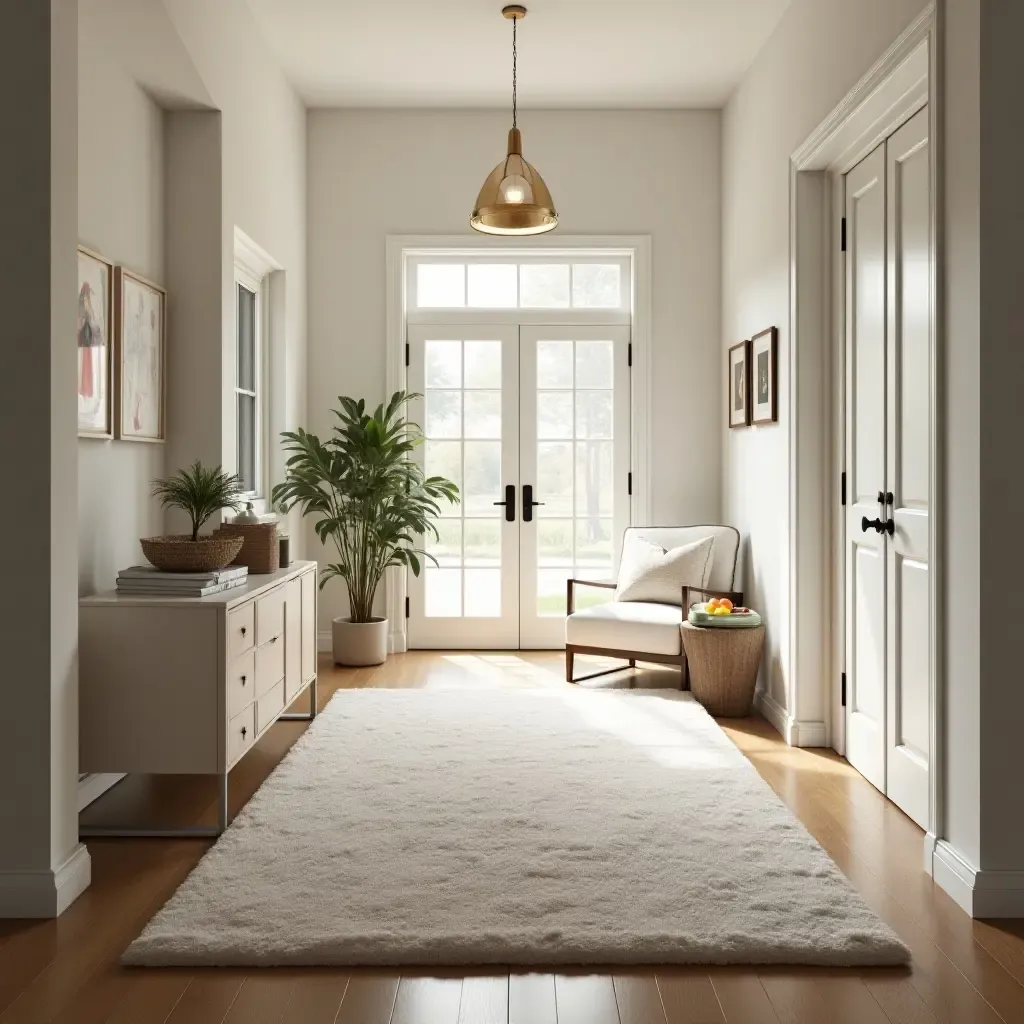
(719, 606)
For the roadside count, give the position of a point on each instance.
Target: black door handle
(889, 527)
(871, 524)
(528, 503)
(509, 503)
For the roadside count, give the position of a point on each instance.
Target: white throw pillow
(647, 572)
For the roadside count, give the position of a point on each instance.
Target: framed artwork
(93, 339)
(764, 364)
(141, 328)
(739, 385)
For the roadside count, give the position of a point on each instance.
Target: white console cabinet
(183, 685)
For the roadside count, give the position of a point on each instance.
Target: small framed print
(739, 385)
(141, 322)
(764, 364)
(93, 336)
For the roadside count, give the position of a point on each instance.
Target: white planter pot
(360, 643)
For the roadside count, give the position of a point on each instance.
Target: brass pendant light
(514, 199)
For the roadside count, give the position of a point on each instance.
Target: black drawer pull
(243, 732)
(243, 680)
(243, 631)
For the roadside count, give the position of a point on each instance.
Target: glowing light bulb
(515, 189)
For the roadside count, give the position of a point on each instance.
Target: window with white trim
(249, 380)
(577, 282)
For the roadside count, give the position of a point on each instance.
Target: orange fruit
(712, 604)
(725, 603)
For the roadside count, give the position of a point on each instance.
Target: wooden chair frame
(632, 657)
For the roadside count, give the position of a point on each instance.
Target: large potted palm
(372, 501)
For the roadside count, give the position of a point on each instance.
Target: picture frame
(738, 386)
(94, 336)
(140, 386)
(764, 376)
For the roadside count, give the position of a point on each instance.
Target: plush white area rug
(535, 827)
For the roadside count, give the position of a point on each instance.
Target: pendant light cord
(515, 21)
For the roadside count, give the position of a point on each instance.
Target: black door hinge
(407, 607)
(842, 489)
(842, 693)
(629, 482)
(629, 354)
(407, 353)
(842, 236)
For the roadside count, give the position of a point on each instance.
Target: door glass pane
(594, 364)
(483, 414)
(483, 593)
(554, 479)
(444, 413)
(447, 547)
(482, 478)
(442, 592)
(483, 543)
(554, 415)
(442, 364)
(444, 458)
(594, 486)
(554, 364)
(596, 286)
(594, 414)
(483, 364)
(441, 285)
(554, 542)
(544, 286)
(492, 285)
(575, 448)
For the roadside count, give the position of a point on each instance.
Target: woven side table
(723, 665)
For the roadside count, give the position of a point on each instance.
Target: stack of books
(150, 582)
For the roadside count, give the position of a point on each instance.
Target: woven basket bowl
(183, 554)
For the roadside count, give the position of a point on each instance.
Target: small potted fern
(371, 499)
(200, 493)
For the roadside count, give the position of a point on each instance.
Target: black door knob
(509, 503)
(889, 527)
(871, 524)
(528, 503)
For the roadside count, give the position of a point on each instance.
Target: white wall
(815, 56)
(121, 214)
(263, 191)
(374, 173)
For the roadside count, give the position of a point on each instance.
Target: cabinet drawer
(241, 733)
(269, 664)
(269, 706)
(241, 630)
(241, 683)
(270, 616)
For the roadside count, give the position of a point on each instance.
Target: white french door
(888, 304)
(533, 423)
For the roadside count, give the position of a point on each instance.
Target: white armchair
(644, 630)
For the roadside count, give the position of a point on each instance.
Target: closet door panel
(908, 465)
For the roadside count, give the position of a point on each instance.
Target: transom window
(511, 282)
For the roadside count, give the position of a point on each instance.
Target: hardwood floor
(67, 970)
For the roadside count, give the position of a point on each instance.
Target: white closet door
(865, 466)
(574, 455)
(469, 377)
(908, 466)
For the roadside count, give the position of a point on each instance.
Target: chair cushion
(627, 626)
(647, 572)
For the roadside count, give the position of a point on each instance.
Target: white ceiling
(572, 53)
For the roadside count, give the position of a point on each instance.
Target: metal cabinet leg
(222, 802)
(310, 715)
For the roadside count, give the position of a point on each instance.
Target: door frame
(906, 78)
(400, 248)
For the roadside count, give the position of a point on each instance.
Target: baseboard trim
(808, 733)
(397, 642)
(981, 893)
(324, 642)
(47, 893)
(930, 842)
(773, 712)
(93, 786)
